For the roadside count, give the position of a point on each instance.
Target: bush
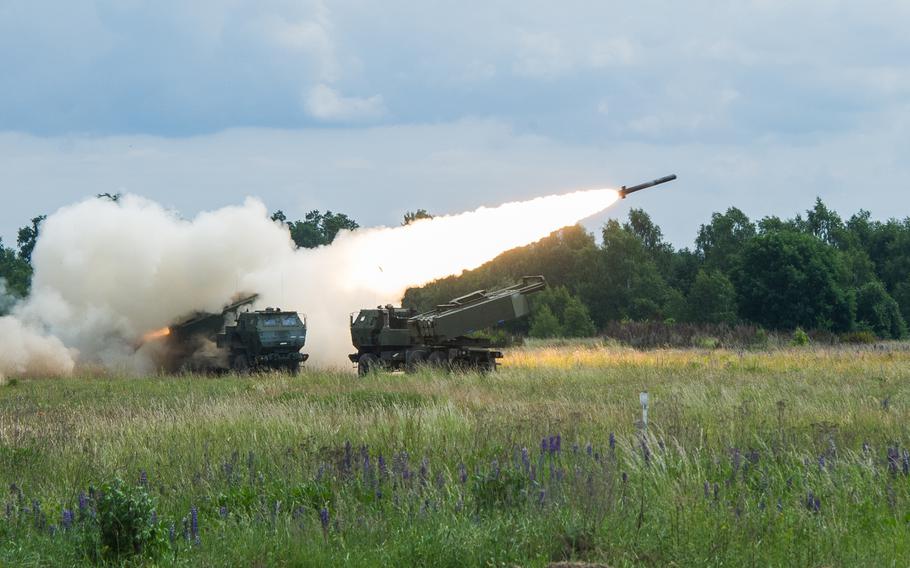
(544, 323)
(800, 338)
(859, 337)
(126, 522)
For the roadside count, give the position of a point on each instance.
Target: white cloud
(325, 103)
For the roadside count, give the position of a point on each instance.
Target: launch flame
(106, 272)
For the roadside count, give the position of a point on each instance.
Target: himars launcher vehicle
(239, 341)
(398, 338)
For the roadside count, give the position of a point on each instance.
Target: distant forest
(814, 272)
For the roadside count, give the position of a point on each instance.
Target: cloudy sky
(375, 108)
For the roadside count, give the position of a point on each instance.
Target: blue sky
(374, 108)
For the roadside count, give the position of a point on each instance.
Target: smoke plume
(106, 273)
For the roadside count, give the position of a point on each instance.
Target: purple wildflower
(194, 524)
(541, 497)
(543, 445)
(716, 491)
(821, 463)
(525, 459)
(67, 520)
(462, 473)
(558, 443)
(171, 533)
(223, 512)
(424, 470)
(905, 462)
(143, 478)
(812, 502)
(383, 471)
(612, 441)
(324, 518)
(83, 502)
(589, 449)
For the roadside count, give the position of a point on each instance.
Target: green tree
(786, 280)
(28, 237)
(576, 320)
(411, 216)
(720, 241)
(316, 229)
(877, 311)
(544, 323)
(712, 298)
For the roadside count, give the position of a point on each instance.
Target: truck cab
(270, 338)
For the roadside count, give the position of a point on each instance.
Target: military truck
(237, 340)
(401, 339)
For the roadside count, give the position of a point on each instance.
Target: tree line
(815, 271)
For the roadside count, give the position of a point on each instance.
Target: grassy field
(779, 458)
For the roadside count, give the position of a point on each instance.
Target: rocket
(624, 191)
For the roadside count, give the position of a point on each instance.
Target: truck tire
(416, 359)
(438, 359)
(240, 364)
(367, 364)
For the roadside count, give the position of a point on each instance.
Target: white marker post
(643, 399)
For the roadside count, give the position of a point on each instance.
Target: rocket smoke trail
(108, 272)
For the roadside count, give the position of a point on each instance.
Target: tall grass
(783, 457)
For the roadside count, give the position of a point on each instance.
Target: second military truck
(400, 339)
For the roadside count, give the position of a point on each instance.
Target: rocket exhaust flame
(101, 282)
(157, 334)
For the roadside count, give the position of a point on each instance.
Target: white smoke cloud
(106, 273)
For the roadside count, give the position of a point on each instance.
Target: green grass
(761, 429)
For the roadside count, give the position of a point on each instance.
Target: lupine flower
(589, 449)
(462, 473)
(52, 530)
(612, 441)
(821, 463)
(558, 443)
(143, 479)
(541, 497)
(812, 502)
(83, 502)
(525, 459)
(494, 468)
(543, 445)
(223, 512)
(194, 524)
(67, 520)
(382, 466)
(324, 518)
(716, 490)
(171, 533)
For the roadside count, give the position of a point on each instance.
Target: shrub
(800, 338)
(861, 337)
(126, 522)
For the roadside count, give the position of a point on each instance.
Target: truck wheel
(438, 359)
(294, 368)
(416, 359)
(367, 364)
(240, 365)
